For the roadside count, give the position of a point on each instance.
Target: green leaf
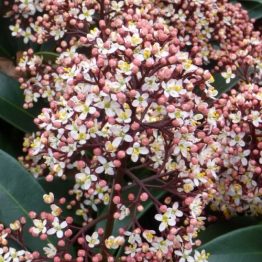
(254, 9)
(242, 245)
(60, 188)
(48, 56)
(20, 193)
(222, 227)
(258, 1)
(220, 83)
(8, 44)
(11, 105)
(10, 138)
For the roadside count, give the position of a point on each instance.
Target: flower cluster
(134, 117)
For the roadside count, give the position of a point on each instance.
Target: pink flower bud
(102, 183)
(144, 196)
(43, 237)
(32, 214)
(140, 208)
(81, 252)
(81, 240)
(117, 163)
(97, 151)
(170, 108)
(69, 220)
(198, 242)
(117, 187)
(135, 126)
(131, 196)
(116, 200)
(163, 208)
(68, 233)
(116, 215)
(67, 257)
(49, 178)
(61, 243)
(121, 154)
(36, 254)
(100, 231)
(188, 246)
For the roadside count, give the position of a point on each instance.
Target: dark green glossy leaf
(11, 105)
(242, 245)
(220, 228)
(20, 193)
(258, 1)
(60, 188)
(10, 138)
(9, 45)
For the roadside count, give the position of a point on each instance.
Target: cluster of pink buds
(126, 120)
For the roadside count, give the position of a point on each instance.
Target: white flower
(106, 168)
(256, 118)
(124, 211)
(114, 243)
(81, 135)
(120, 131)
(174, 211)
(136, 150)
(50, 251)
(57, 228)
(81, 212)
(201, 257)
(140, 100)
(149, 235)
(27, 34)
(57, 32)
(166, 221)
(85, 108)
(109, 106)
(117, 6)
(236, 117)
(183, 147)
(184, 256)
(59, 168)
(84, 180)
(93, 240)
(16, 30)
(91, 202)
(133, 237)
(40, 226)
(162, 244)
(180, 15)
(237, 139)
(228, 75)
(13, 254)
(132, 250)
(87, 14)
(134, 40)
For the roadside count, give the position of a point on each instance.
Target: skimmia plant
(135, 118)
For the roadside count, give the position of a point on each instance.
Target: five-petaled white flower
(50, 251)
(166, 220)
(228, 75)
(136, 150)
(57, 228)
(93, 240)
